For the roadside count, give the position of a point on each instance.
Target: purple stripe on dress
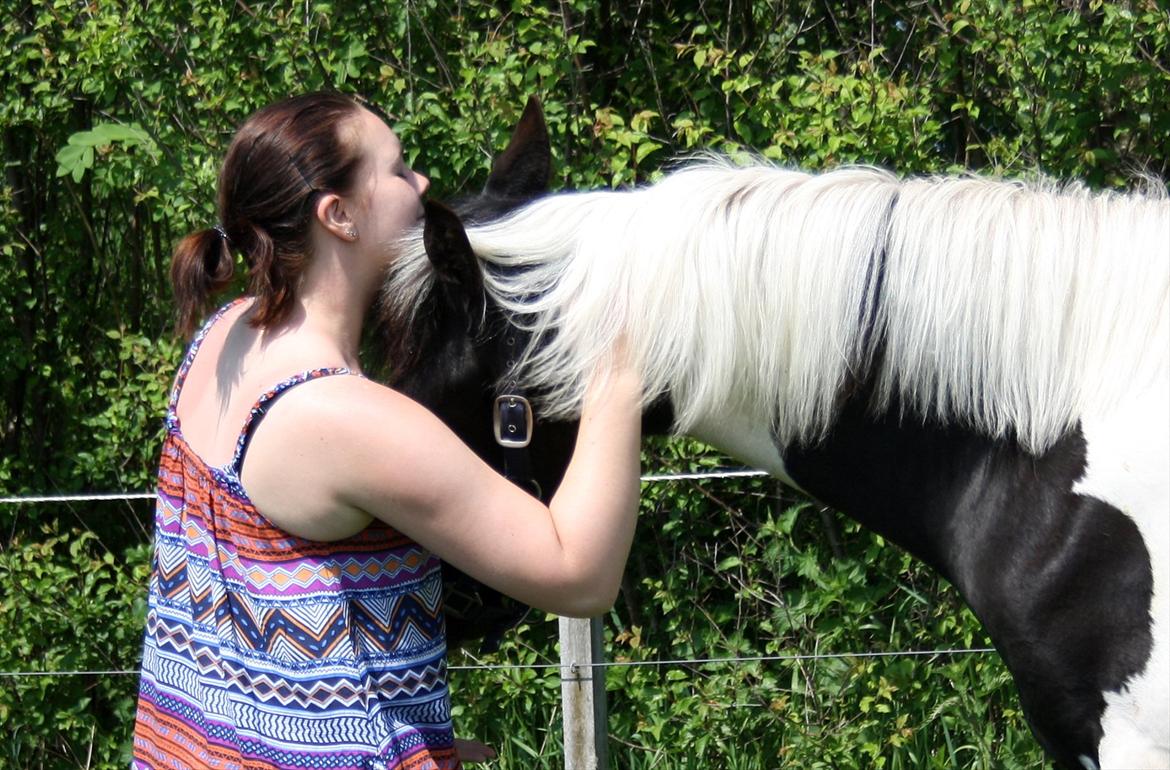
(348, 572)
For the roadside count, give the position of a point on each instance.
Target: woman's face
(388, 193)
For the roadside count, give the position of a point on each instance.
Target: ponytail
(201, 268)
(272, 276)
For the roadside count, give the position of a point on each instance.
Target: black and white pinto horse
(975, 369)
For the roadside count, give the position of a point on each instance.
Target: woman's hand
(473, 751)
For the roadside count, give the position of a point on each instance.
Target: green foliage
(69, 605)
(114, 118)
(741, 568)
(77, 156)
(131, 390)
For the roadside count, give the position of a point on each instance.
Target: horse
(976, 369)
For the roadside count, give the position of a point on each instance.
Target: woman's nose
(422, 183)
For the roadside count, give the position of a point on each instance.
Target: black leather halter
(512, 424)
(474, 610)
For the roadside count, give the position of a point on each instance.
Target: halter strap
(264, 403)
(512, 423)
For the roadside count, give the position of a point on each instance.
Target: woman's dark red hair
(278, 162)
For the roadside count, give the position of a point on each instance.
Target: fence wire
(724, 473)
(672, 663)
(77, 498)
(84, 497)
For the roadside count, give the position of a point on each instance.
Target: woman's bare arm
(333, 454)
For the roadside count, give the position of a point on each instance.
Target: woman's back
(268, 650)
(238, 363)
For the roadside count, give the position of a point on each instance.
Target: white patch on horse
(749, 442)
(1128, 455)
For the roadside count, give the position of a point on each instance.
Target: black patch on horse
(1061, 581)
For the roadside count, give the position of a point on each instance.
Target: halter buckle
(512, 421)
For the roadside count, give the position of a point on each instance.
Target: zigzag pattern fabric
(266, 651)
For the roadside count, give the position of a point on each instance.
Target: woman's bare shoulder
(343, 444)
(323, 441)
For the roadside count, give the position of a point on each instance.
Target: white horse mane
(1011, 307)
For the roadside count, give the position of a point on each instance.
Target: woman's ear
(332, 213)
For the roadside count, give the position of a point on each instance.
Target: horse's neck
(922, 485)
(1057, 574)
(899, 481)
(930, 488)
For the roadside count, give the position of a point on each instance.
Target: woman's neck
(332, 301)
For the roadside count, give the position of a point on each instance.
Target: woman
(295, 616)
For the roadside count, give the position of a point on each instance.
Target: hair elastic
(222, 233)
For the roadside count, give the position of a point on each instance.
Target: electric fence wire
(727, 473)
(673, 663)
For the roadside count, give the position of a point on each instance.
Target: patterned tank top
(265, 650)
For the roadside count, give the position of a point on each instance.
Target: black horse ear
(521, 172)
(448, 249)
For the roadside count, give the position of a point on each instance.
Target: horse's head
(453, 347)
(456, 354)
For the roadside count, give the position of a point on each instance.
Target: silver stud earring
(351, 233)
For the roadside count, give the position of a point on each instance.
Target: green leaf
(728, 563)
(77, 156)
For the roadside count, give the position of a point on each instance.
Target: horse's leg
(1128, 460)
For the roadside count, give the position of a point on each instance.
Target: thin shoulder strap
(264, 403)
(192, 350)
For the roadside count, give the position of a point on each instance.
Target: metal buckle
(512, 421)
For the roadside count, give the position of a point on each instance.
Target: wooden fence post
(583, 695)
